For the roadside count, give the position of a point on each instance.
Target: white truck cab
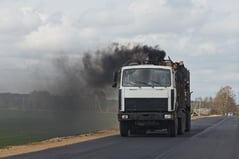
(146, 88)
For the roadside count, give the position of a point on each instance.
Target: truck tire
(173, 128)
(124, 129)
(188, 121)
(181, 126)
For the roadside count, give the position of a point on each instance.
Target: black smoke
(85, 81)
(94, 70)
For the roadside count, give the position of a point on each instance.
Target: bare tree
(224, 101)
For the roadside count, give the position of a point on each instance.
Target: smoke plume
(85, 81)
(94, 70)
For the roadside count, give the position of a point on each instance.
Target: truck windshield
(146, 77)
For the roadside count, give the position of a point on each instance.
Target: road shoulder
(55, 142)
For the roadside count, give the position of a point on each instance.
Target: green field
(21, 127)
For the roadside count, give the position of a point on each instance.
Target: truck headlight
(168, 116)
(124, 116)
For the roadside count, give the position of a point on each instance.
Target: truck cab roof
(146, 66)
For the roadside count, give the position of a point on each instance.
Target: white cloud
(88, 33)
(207, 48)
(55, 37)
(47, 38)
(153, 16)
(142, 21)
(184, 45)
(19, 20)
(226, 27)
(183, 42)
(146, 7)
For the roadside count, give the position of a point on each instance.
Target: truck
(153, 95)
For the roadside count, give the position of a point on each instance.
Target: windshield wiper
(142, 83)
(157, 83)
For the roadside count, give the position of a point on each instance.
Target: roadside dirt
(55, 142)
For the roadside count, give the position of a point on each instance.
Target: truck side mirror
(115, 77)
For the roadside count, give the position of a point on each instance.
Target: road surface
(210, 138)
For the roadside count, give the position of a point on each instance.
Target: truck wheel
(181, 126)
(124, 129)
(188, 121)
(173, 128)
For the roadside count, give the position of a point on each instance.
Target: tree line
(223, 103)
(43, 100)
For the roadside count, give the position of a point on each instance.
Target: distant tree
(207, 102)
(224, 101)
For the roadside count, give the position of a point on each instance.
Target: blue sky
(202, 33)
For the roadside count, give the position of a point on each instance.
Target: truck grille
(146, 104)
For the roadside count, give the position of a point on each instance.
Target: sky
(202, 33)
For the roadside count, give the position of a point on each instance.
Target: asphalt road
(210, 138)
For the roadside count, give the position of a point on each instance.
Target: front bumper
(146, 116)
